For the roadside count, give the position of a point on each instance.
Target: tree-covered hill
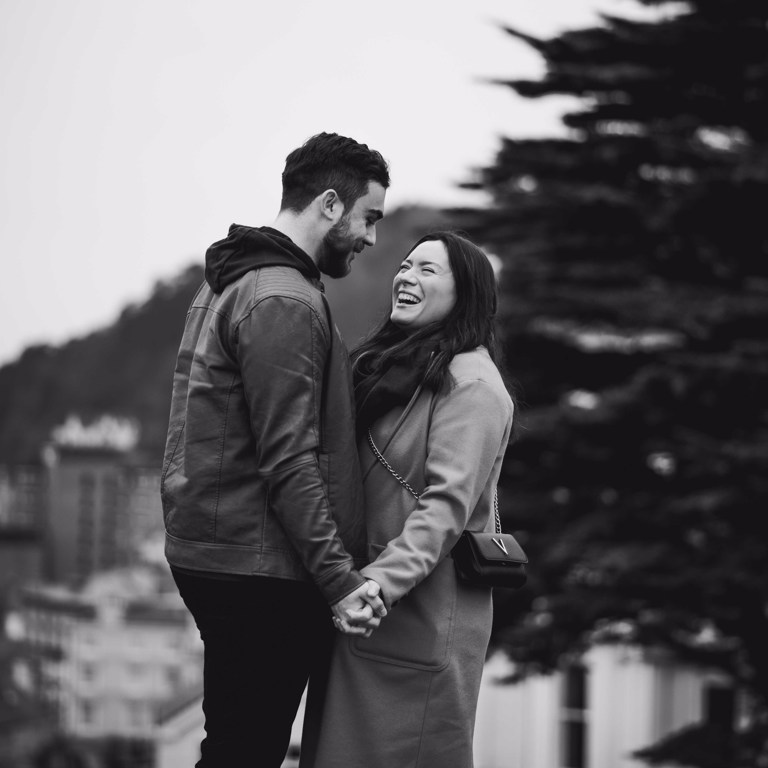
(123, 370)
(126, 369)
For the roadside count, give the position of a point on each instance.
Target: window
(719, 706)
(135, 670)
(573, 717)
(173, 675)
(86, 711)
(136, 714)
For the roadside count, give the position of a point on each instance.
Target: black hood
(247, 248)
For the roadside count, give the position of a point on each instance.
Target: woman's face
(423, 290)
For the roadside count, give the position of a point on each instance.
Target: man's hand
(361, 611)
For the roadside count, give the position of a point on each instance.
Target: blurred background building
(104, 501)
(107, 657)
(23, 501)
(99, 641)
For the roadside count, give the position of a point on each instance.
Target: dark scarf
(378, 391)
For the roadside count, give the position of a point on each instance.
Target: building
(21, 559)
(103, 499)
(23, 496)
(23, 499)
(179, 730)
(109, 656)
(596, 713)
(23, 732)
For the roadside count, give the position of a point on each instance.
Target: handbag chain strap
(406, 485)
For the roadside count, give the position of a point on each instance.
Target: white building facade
(112, 654)
(594, 714)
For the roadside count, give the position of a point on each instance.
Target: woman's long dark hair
(469, 324)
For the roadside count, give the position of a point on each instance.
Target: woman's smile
(424, 289)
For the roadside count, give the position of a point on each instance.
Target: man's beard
(336, 251)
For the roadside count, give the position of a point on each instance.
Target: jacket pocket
(418, 631)
(171, 460)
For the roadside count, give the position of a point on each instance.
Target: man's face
(355, 230)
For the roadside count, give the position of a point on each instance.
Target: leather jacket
(260, 474)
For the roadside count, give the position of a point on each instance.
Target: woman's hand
(361, 611)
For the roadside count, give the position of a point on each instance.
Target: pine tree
(635, 288)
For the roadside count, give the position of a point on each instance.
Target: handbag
(480, 558)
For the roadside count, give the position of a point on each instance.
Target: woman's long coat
(406, 697)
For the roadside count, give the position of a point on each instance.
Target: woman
(429, 391)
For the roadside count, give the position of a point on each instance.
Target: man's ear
(331, 206)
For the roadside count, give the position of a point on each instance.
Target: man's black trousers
(262, 639)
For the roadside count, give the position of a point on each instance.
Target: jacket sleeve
(282, 350)
(470, 425)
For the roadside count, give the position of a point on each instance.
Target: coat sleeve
(282, 350)
(470, 425)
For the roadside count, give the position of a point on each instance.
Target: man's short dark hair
(330, 161)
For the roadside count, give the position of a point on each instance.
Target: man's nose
(370, 238)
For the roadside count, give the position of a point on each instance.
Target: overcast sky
(135, 131)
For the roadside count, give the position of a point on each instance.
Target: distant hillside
(126, 369)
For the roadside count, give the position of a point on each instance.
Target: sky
(134, 132)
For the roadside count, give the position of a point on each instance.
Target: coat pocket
(172, 458)
(418, 631)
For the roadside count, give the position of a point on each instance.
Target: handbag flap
(498, 547)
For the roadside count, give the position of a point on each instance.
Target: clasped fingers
(357, 630)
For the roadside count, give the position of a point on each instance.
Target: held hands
(361, 611)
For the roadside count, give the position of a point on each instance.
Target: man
(261, 489)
